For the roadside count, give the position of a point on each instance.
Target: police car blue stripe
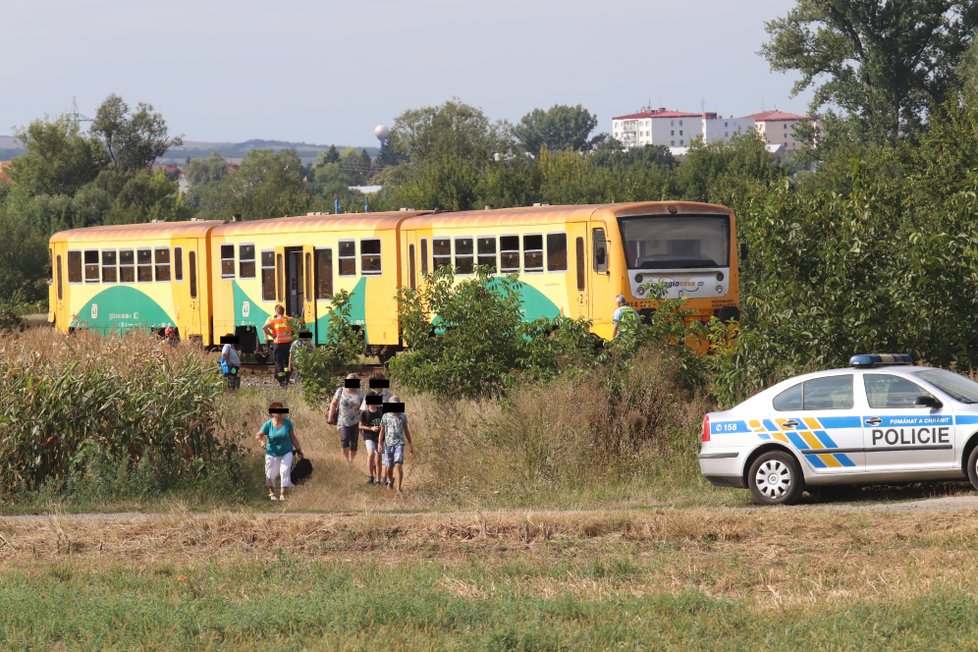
(825, 439)
(797, 441)
(731, 427)
(844, 459)
(764, 435)
(814, 461)
(907, 421)
(840, 422)
(966, 419)
(769, 426)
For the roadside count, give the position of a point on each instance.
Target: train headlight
(719, 276)
(640, 291)
(639, 278)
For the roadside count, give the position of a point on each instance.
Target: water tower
(382, 132)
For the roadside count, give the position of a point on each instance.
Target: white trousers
(276, 465)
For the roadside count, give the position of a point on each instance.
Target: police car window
(827, 393)
(789, 399)
(954, 385)
(888, 391)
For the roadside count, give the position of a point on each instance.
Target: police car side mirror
(927, 401)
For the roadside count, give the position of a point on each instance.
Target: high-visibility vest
(281, 330)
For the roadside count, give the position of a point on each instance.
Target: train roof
(317, 223)
(150, 230)
(546, 214)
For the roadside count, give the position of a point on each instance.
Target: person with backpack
(277, 436)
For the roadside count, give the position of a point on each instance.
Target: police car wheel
(775, 479)
(973, 467)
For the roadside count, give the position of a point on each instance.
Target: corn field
(130, 400)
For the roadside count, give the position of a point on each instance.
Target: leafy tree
(558, 128)
(133, 140)
(356, 165)
(448, 148)
(268, 184)
(208, 185)
(59, 158)
(709, 168)
(882, 61)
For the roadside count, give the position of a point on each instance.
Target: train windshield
(676, 241)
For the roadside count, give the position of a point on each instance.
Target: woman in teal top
(277, 435)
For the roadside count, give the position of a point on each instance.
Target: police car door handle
(873, 421)
(790, 423)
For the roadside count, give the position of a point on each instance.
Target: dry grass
(771, 558)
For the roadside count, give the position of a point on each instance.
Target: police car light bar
(876, 359)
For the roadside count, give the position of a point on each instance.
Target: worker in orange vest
(279, 331)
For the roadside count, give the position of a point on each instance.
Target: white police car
(879, 420)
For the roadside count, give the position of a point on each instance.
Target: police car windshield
(954, 385)
(676, 241)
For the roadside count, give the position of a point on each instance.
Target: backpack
(301, 470)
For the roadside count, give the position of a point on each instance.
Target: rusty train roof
(148, 231)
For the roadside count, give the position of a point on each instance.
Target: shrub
(322, 368)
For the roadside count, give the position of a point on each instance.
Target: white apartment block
(677, 129)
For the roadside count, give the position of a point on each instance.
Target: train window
(411, 268)
(556, 252)
(127, 270)
(509, 253)
(280, 276)
(533, 253)
(464, 256)
(246, 261)
(579, 248)
(178, 263)
(91, 266)
(74, 267)
(162, 260)
(347, 258)
(59, 277)
(424, 255)
(441, 252)
(144, 265)
(227, 261)
(487, 253)
(600, 250)
(109, 270)
(268, 275)
(370, 256)
(192, 263)
(324, 273)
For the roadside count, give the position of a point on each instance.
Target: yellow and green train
(210, 278)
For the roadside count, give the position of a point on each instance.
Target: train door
(601, 288)
(188, 290)
(288, 272)
(578, 296)
(309, 290)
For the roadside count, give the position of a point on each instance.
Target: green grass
(289, 603)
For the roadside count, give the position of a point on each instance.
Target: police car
(882, 419)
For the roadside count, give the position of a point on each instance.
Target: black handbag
(301, 470)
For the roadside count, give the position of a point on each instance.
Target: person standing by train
(344, 409)
(394, 432)
(279, 331)
(277, 436)
(624, 317)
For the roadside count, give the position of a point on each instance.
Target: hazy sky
(328, 71)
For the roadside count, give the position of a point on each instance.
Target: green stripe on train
(120, 309)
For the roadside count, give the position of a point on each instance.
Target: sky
(329, 71)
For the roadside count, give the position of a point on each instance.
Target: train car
(135, 276)
(300, 262)
(574, 260)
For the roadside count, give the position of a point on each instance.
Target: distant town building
(677, 129)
